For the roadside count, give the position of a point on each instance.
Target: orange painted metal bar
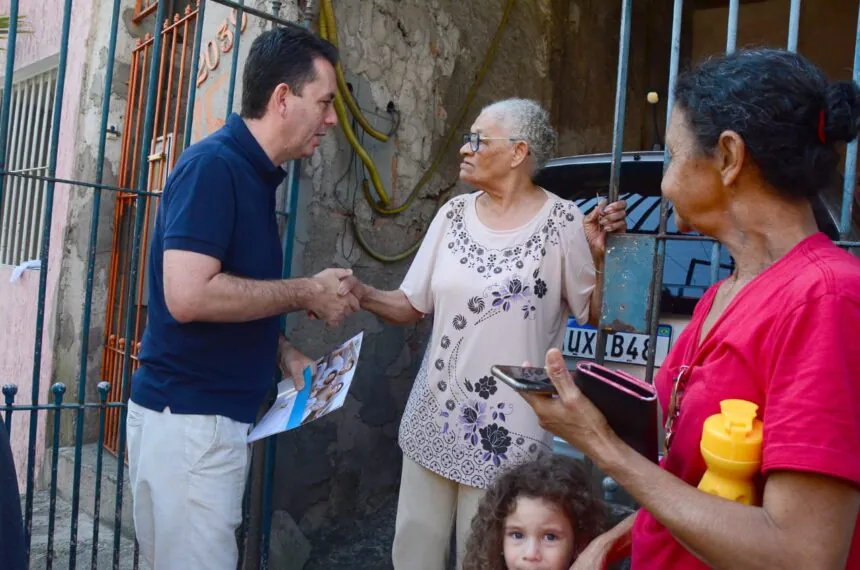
(159, 90)
(165, 123)
(162, 114)
(168, 108)
(142, 267)
(123, 169)
(139, 121)
(142, 9)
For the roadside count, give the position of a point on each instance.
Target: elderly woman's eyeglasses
(474, 140)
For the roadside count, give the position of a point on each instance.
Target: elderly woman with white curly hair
(500, 269)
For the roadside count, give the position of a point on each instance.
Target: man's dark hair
(783, 107)
(281, 55)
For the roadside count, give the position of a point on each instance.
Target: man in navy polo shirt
(212, 341)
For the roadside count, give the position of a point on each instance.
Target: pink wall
(19, 301)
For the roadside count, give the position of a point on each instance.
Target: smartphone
(525, 379)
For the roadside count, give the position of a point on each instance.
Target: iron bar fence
(145, 162)
(162, 92)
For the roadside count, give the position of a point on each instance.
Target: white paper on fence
(19, 270)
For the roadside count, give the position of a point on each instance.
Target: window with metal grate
(30, 118)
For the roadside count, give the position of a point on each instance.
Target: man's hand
(601, 221)
(571, 415)
(329, 305)
(293, 363)
(351, 284)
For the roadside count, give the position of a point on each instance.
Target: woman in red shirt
(752, 137)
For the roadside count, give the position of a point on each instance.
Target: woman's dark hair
(555, 478)
(787, 112)
(280, 55)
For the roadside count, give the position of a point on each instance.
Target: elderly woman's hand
(571, 415)
(603, 220)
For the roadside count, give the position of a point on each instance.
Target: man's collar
(252, 149)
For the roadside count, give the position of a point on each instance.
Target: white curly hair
(528, 120)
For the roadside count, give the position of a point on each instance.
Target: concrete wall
(583, 71)
(827, 31)
(18, 301)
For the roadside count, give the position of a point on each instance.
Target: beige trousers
(428, 507)
(187, 475)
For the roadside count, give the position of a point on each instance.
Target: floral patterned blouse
(499, 297)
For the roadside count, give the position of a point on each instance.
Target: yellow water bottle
(731, 448)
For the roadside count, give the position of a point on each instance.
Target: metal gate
(165, 72)
(169, 125)
(631, 301)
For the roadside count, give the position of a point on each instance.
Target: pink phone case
(628, 403)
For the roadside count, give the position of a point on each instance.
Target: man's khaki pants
(428, 507)
(187, 476)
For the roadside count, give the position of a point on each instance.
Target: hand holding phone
(628, 404)
(524, 378)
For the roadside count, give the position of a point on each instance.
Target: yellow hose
(379, 256)
(456, 126)
(327, 23)
(397, 256)
(488, 58)
(350, 135)
(327, 14)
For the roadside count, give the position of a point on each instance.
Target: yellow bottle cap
(735, 434)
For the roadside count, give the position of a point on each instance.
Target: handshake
(336, 295)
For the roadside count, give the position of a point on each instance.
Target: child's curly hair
(555, 478)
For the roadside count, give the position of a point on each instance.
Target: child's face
(538, 536)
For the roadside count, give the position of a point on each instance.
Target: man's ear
(730, 154)
(279, 97)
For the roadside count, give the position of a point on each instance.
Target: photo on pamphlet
(324, 392)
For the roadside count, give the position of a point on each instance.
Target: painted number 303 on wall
(630, 348)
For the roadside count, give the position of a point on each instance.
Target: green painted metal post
(659, 266)
(231, 90)
(9, 392)
(131, 297)
(43, 272)
(104, 390)
(195, 67)
(88, 295)
(11, 39)
(287, 271)
(58, 390)
(617, 137)
(848, 189)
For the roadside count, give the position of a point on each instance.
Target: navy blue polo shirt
(218, 201)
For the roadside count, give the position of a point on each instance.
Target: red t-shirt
(788, 342)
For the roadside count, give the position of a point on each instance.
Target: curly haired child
(541, 514)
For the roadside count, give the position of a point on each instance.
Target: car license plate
(581, 342)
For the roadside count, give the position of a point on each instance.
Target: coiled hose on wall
(344, 99)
